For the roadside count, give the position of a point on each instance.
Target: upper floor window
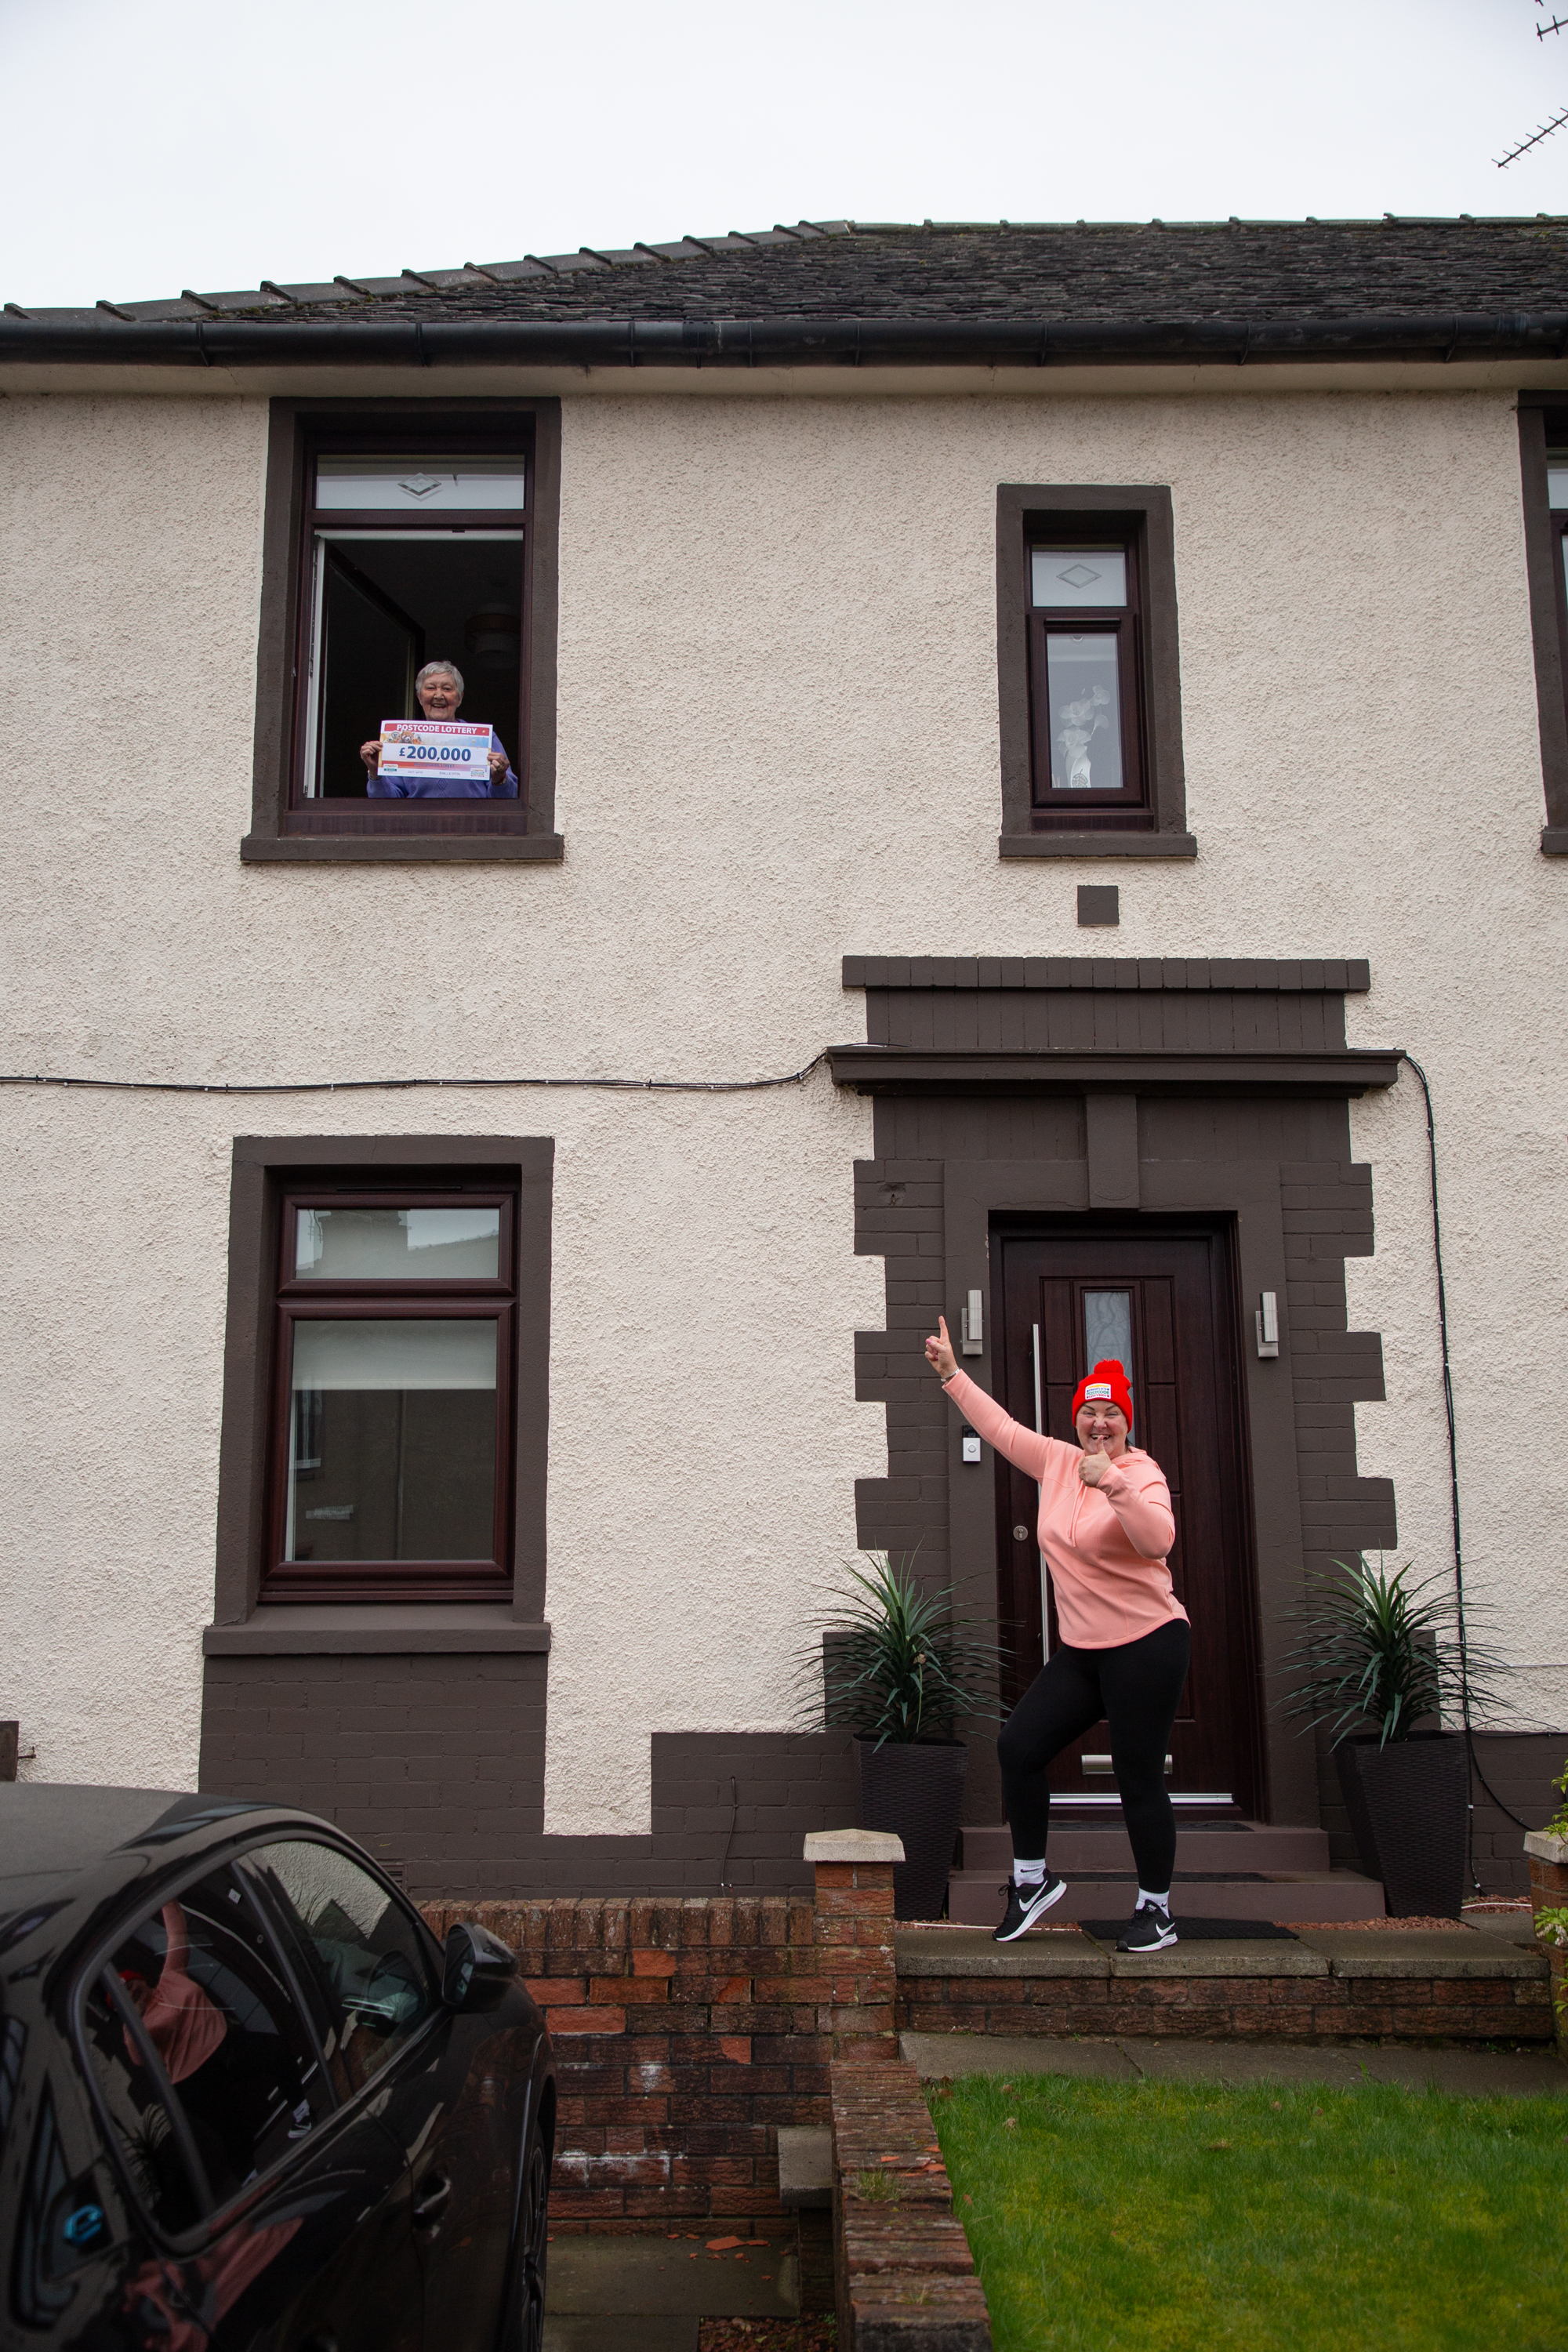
(1084, 664)
(1088, 672)
(412, 610)
(392, 1406)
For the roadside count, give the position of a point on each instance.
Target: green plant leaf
(893, 1661)
(1380, 1651)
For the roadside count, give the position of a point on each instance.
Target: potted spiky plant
(899, 1666)
(1381, 1659)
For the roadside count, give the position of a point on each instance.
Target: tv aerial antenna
(1558, 25)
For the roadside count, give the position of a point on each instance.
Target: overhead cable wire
(406, 1086)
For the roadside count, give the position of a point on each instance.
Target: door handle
(431, 2201)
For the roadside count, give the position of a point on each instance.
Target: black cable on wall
(1475, 1764)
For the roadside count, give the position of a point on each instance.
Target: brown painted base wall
(437, 1764)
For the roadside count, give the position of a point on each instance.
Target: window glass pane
(1557, 479)
(202, 1976)
(1108, 1329)
(1078, 576)
(386, 604)
(357, 1947)
(1081, 680)
(398, 1244)
(140, 2126)
(391, 1451)
(420, 485)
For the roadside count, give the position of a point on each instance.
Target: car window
(364, 1955)
(238, 2066)
(157, 2158)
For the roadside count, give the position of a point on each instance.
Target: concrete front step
(1101, 1848)
(975, 1898)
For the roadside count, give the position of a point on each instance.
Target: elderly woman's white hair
(440, 670)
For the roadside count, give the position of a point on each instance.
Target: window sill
(343, 1629)
(1554, 841)
(406, 849)
(1096, 844)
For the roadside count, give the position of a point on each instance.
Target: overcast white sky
(175, 143)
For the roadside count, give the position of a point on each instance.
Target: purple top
(443, 788)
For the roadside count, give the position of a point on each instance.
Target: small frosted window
(1557, 484)
(1108, 1329)
(1086, 577)
(420, 485)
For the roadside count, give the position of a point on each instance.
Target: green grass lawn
(1160, 2216)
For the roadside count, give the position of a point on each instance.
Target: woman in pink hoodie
(1106, 1531)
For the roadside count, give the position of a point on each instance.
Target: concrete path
(1476, 2074)
(648, 2294)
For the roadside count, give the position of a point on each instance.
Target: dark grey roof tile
(252, 299)
(510, 271)
(1085, 274)
(180, 307)
(316, 291)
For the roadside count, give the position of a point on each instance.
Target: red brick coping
(903, 2269)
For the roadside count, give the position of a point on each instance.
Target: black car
(247, 2102)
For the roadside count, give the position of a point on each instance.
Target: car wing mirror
(477, 1969)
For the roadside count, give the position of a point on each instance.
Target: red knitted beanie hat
(1107, 1384)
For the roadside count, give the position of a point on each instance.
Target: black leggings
(1135, 1688)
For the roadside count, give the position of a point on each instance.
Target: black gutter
(775, 342)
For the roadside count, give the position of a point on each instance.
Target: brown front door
(1162, 1301)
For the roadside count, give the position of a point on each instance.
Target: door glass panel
(1557, 480)
(202, 1974)
(392, 1450)
(1081, 684)
(1089, 576)
(397, 1246)
(1108, 1329)
(357, 1947)
(420, 485)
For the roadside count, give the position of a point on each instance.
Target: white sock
(1028, 1874)
(1147, 1902)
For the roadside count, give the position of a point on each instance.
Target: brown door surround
(1163, 1292)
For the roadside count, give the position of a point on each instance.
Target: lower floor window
(394, 1321)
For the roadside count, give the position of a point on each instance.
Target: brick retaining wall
(1298, 1994)
(688, 2031)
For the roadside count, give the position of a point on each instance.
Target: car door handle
(431, 2203)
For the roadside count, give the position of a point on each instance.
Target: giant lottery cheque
(434, 751)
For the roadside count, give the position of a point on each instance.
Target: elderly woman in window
(440, 687)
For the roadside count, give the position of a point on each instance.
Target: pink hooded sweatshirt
(1106, 1546)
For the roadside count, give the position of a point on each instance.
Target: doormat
(1200, 1931)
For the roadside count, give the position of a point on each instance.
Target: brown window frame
(286, 827)
(1065, 811)
(272, 1173)
(1151, 822)
(389, 1300)
(1543, 425)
